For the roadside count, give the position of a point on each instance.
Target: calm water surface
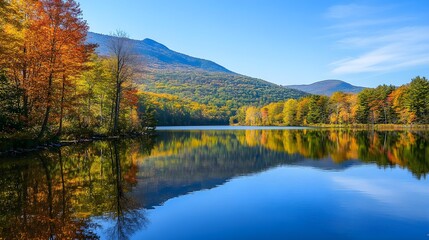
(223, 183)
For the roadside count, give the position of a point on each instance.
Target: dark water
(223, 184)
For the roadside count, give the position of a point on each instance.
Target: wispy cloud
(390, 45)
(404, 47)
(360, 23)
(349, 10)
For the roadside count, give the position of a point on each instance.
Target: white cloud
(375, 41)
(406, 47)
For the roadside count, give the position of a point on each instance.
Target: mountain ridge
(157, 55)
(327, 87)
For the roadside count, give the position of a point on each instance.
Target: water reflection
(54, 194)
(58, 194)
(408, 150)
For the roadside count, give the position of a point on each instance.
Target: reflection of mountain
(327, 164)
(216, 158)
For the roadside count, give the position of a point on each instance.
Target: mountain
(165, 71)
(327, 87)
(157, 56)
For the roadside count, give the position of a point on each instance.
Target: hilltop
(327, 87)
(155, 55)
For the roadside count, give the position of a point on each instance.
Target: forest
(407, 104)
(52, 84)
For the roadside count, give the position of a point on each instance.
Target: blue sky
(365, 43)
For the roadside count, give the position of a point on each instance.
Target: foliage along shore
(407, 105)
(382, 127)
(377, 127)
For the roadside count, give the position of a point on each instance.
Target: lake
(223, 183)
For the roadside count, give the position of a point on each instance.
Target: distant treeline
(171, 110)
(51, 81)
(407, 104)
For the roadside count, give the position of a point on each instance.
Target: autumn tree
(337, 107)
(417, 99)
(253, 116)
(302, 109)
(122, 59)
(289, 112)
(95, 92)
(397, 100)
(275, 113)
(8, 24)
(64, 49)
(10, 93)
(240, 116)
(17, 62)
(342, 108)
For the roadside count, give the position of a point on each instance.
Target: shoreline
(24, 145)
(49, 144)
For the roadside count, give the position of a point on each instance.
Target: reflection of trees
(53, 194)
(124, 209)
(38, 202)
(405, 149)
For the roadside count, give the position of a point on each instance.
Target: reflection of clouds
(403, 199)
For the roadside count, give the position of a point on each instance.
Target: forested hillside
(187, 79)
(215, 88)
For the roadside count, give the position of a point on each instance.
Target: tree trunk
(117, 108)
(60, 128)
(48, 107)
(112, 113)
(101, 109)
(25, 87)
(60, 157)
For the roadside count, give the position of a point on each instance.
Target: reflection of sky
(405, 198)
(362, 202)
